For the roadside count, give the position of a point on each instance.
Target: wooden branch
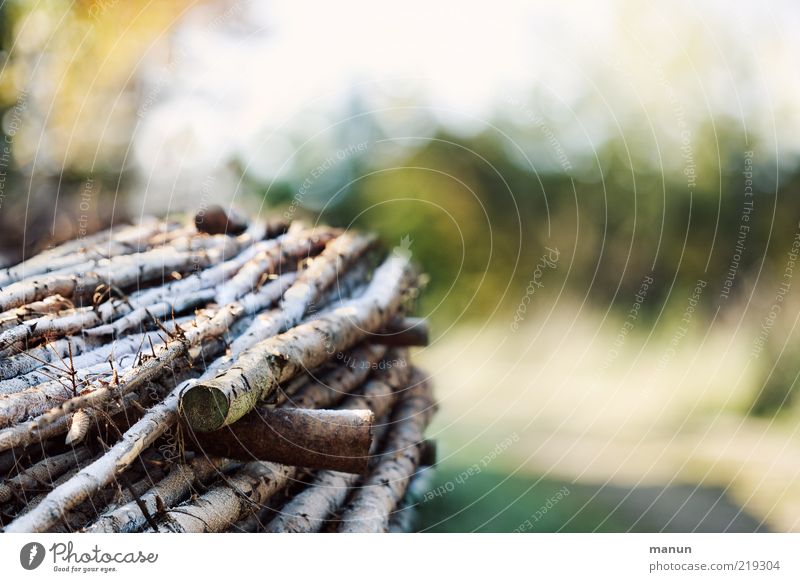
(327, 389)
(206, 330)
(50, 326)
(318, 439)
(410, 331)
(56, 421)
(257, 481)
(91, 479)
(372, 504)
(52, 304)
(295, 245)
(22, 435)
(224, 504)
(134, 318)
(84, 351)
(212, 404)
(79, 283)
(204, 279)
(85, 513)
(215, 220)
(52, 353)
(37, 400)
(171, 490)
(121, 239)
(44, 471)
(308, 511)
(404, 517)
(134, 308)
(87, 482)
(316, 346)
(320, 273)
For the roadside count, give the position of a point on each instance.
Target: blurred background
(604, 194)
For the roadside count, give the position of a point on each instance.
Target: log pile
(214, 376)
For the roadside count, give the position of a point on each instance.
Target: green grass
(493, 502)
(496, 502)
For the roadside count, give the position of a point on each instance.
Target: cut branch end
(204, 407)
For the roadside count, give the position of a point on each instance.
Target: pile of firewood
(214, 376)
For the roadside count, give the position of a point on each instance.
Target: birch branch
(308, 510)
(319, 275)
(45, 471)
(50, 326)
(222, 505)
(318, 439)
(126, 239)
(171, 490)
(52, 353)
(94, 477)
(120, 272)
(161, 310)
(196, 282)
(230, 279)
(213, 326)
(334, 384)
(91, 479)
(57, 421)
(37, 400)
(405, 517)
(293, 246)
(370, 508)
(85, 351)
(52, 304)
(256, 482)
(212, 404)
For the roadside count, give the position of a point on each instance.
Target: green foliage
(479, 221)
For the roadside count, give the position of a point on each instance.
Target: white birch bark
(124, 239)
(171, 490)
(45, 471)
(309, 509)
(321, 273)
(212, 404)
(370, 508)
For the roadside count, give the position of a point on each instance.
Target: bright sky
(272, 84)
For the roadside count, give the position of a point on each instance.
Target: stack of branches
(210, 377)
